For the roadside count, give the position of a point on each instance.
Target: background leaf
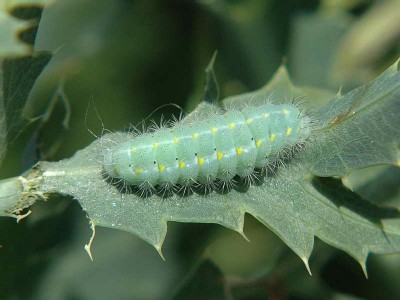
(131, 57)
(18, 73)
(3, 131)
(19, 68)
(10, 44)
(205, 282)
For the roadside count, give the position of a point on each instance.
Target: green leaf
(377, 184)
(369, 43)
(249, 33)
(359, 129)
(280, 90)
(3, 131)
(69, 274)
(18, 77)
(206, 281)
(11, 26)
(10, 44)
(314, 43)
(356, 130)
(19, 68)
(211, 89)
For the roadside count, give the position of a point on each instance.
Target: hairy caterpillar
(217, 147)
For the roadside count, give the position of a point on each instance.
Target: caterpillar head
(133, 162)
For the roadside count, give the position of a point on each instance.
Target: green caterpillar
(214, 148)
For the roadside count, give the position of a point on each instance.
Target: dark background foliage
(125, 59)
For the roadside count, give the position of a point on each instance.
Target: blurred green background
(125, 59)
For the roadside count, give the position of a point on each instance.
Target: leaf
(314, 44)
(17, 74)
(356, 130)
(10, 44)
(287, 282)
(3, 131)
(211, 89)
(248, 260)
(280, 90)
(11, 27)
(368, 43)
(378, 184)
(206, 281)
(359, 129)
(250, 37)
(115, 274)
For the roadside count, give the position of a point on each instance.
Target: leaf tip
(364, 267)
(305, 261)
(88, 251)
(210, 66)
(282, 72)
(20, 217)
(347, 183)
(395, 66)
(89, 245)
(159, 250)
(339, 92)
(397, 163)
(241, 232)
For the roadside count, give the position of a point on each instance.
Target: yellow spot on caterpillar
(272, 137)
(286, 112)
(200, 160)
(155, 145)
(133, 149)
(289, 131)
(195, 135)
(239, 151)
(161, 168)
(138, 171)
(176, 140)
(117, 170)
(258, 143)
(248, 121)
(181, 165)
(265, 115)
(220, 155)
(231, 125)
(214, 130)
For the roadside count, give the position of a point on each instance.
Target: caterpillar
(213, 148)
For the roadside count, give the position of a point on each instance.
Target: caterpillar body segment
(219, 146)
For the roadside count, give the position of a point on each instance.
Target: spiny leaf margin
(289, 203)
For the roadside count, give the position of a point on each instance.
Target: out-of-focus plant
(133, 57)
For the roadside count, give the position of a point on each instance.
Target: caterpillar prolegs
(203, 150)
